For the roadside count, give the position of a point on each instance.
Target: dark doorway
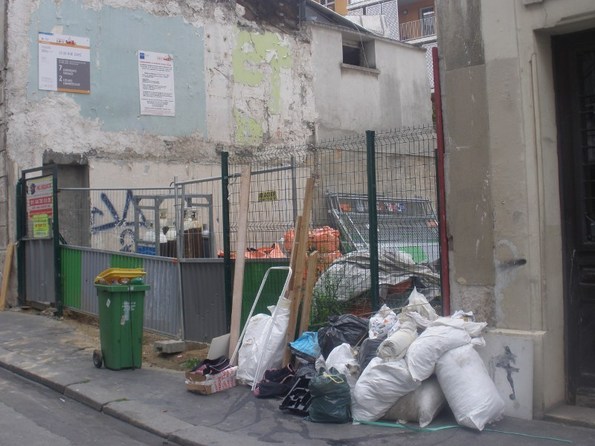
(574, 69)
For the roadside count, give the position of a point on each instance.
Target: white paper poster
(156, 84)
(64, 63)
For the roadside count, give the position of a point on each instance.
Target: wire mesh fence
(188, 219)
(404, 223)
(112, 219)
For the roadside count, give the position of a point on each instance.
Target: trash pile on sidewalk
(403, 367)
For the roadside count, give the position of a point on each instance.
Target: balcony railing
(417, 29)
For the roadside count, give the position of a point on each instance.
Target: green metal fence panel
(254, 272)
(71, 277)
(119, 261)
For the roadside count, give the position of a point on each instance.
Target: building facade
(518, 90)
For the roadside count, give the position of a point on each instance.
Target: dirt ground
(88, 328)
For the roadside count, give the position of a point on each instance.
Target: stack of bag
(403, 368)
(414, 376)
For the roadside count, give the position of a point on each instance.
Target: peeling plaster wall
(5, 202)
(503, 207)
(236, 84)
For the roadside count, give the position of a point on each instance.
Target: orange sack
(324, 239)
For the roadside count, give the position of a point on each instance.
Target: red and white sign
(40, 197)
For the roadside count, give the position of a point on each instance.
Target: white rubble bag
(457, 320)
(468, 388)
(342, 359)
(382, 323)
(424, 352)
(418, 303)
(395, 346)
(421, 406)
(379, 387)
(263, 344)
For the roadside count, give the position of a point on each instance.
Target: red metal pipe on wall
(444, 274)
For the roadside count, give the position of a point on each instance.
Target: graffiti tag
(118, 220)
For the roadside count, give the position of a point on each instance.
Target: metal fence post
(226, 234)
(372, 217)
(21, 232)
(57, 252)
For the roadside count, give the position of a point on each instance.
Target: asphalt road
(33, 415)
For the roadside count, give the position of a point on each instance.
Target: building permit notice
(64, 63)
(156, 84)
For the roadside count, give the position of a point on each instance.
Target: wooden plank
(308, 291)
(238, 280)
(296, 231)
(296, 284)
(301, 234)
(6, 275)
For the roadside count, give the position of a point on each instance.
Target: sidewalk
(44, 350)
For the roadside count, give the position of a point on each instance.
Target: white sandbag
(263, 344)
(457, 320)
(343, 360)
(395, 346)
(424, 352)
(421, 406)
(379, 387)
(417, 302)
(468, 388)
(382, 323)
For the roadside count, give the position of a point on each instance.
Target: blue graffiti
(117, 220)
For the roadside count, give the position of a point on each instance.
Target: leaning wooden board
(6, 275)
(236, 307)
(296, 284)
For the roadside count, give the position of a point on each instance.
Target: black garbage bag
(330, 398)
(367, 351)
(340, 329)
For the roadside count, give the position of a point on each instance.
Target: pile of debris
(398, 367)
(405, 366)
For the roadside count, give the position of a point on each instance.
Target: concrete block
(169, 346)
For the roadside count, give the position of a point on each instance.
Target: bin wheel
(97, 358)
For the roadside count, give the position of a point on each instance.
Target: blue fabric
(306, 346)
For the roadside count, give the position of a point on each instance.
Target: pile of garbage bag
(404, 367)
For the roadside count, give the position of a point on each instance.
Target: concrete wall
(233, 86)
(5, 227)
(504, 213)
(347, 98)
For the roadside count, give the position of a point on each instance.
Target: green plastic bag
(331, 398)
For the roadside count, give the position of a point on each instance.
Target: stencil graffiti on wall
(107, 218)
(506, 362)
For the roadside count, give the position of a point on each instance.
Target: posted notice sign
(156, 84)
(64, 63)
(40, 205)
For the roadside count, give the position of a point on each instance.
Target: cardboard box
(213, 383)
(196, 377)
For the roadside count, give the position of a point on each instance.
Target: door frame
(564, 50)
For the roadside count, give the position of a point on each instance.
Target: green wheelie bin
(121, 313)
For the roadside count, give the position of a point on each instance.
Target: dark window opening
(361, 54)
(352, 55)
